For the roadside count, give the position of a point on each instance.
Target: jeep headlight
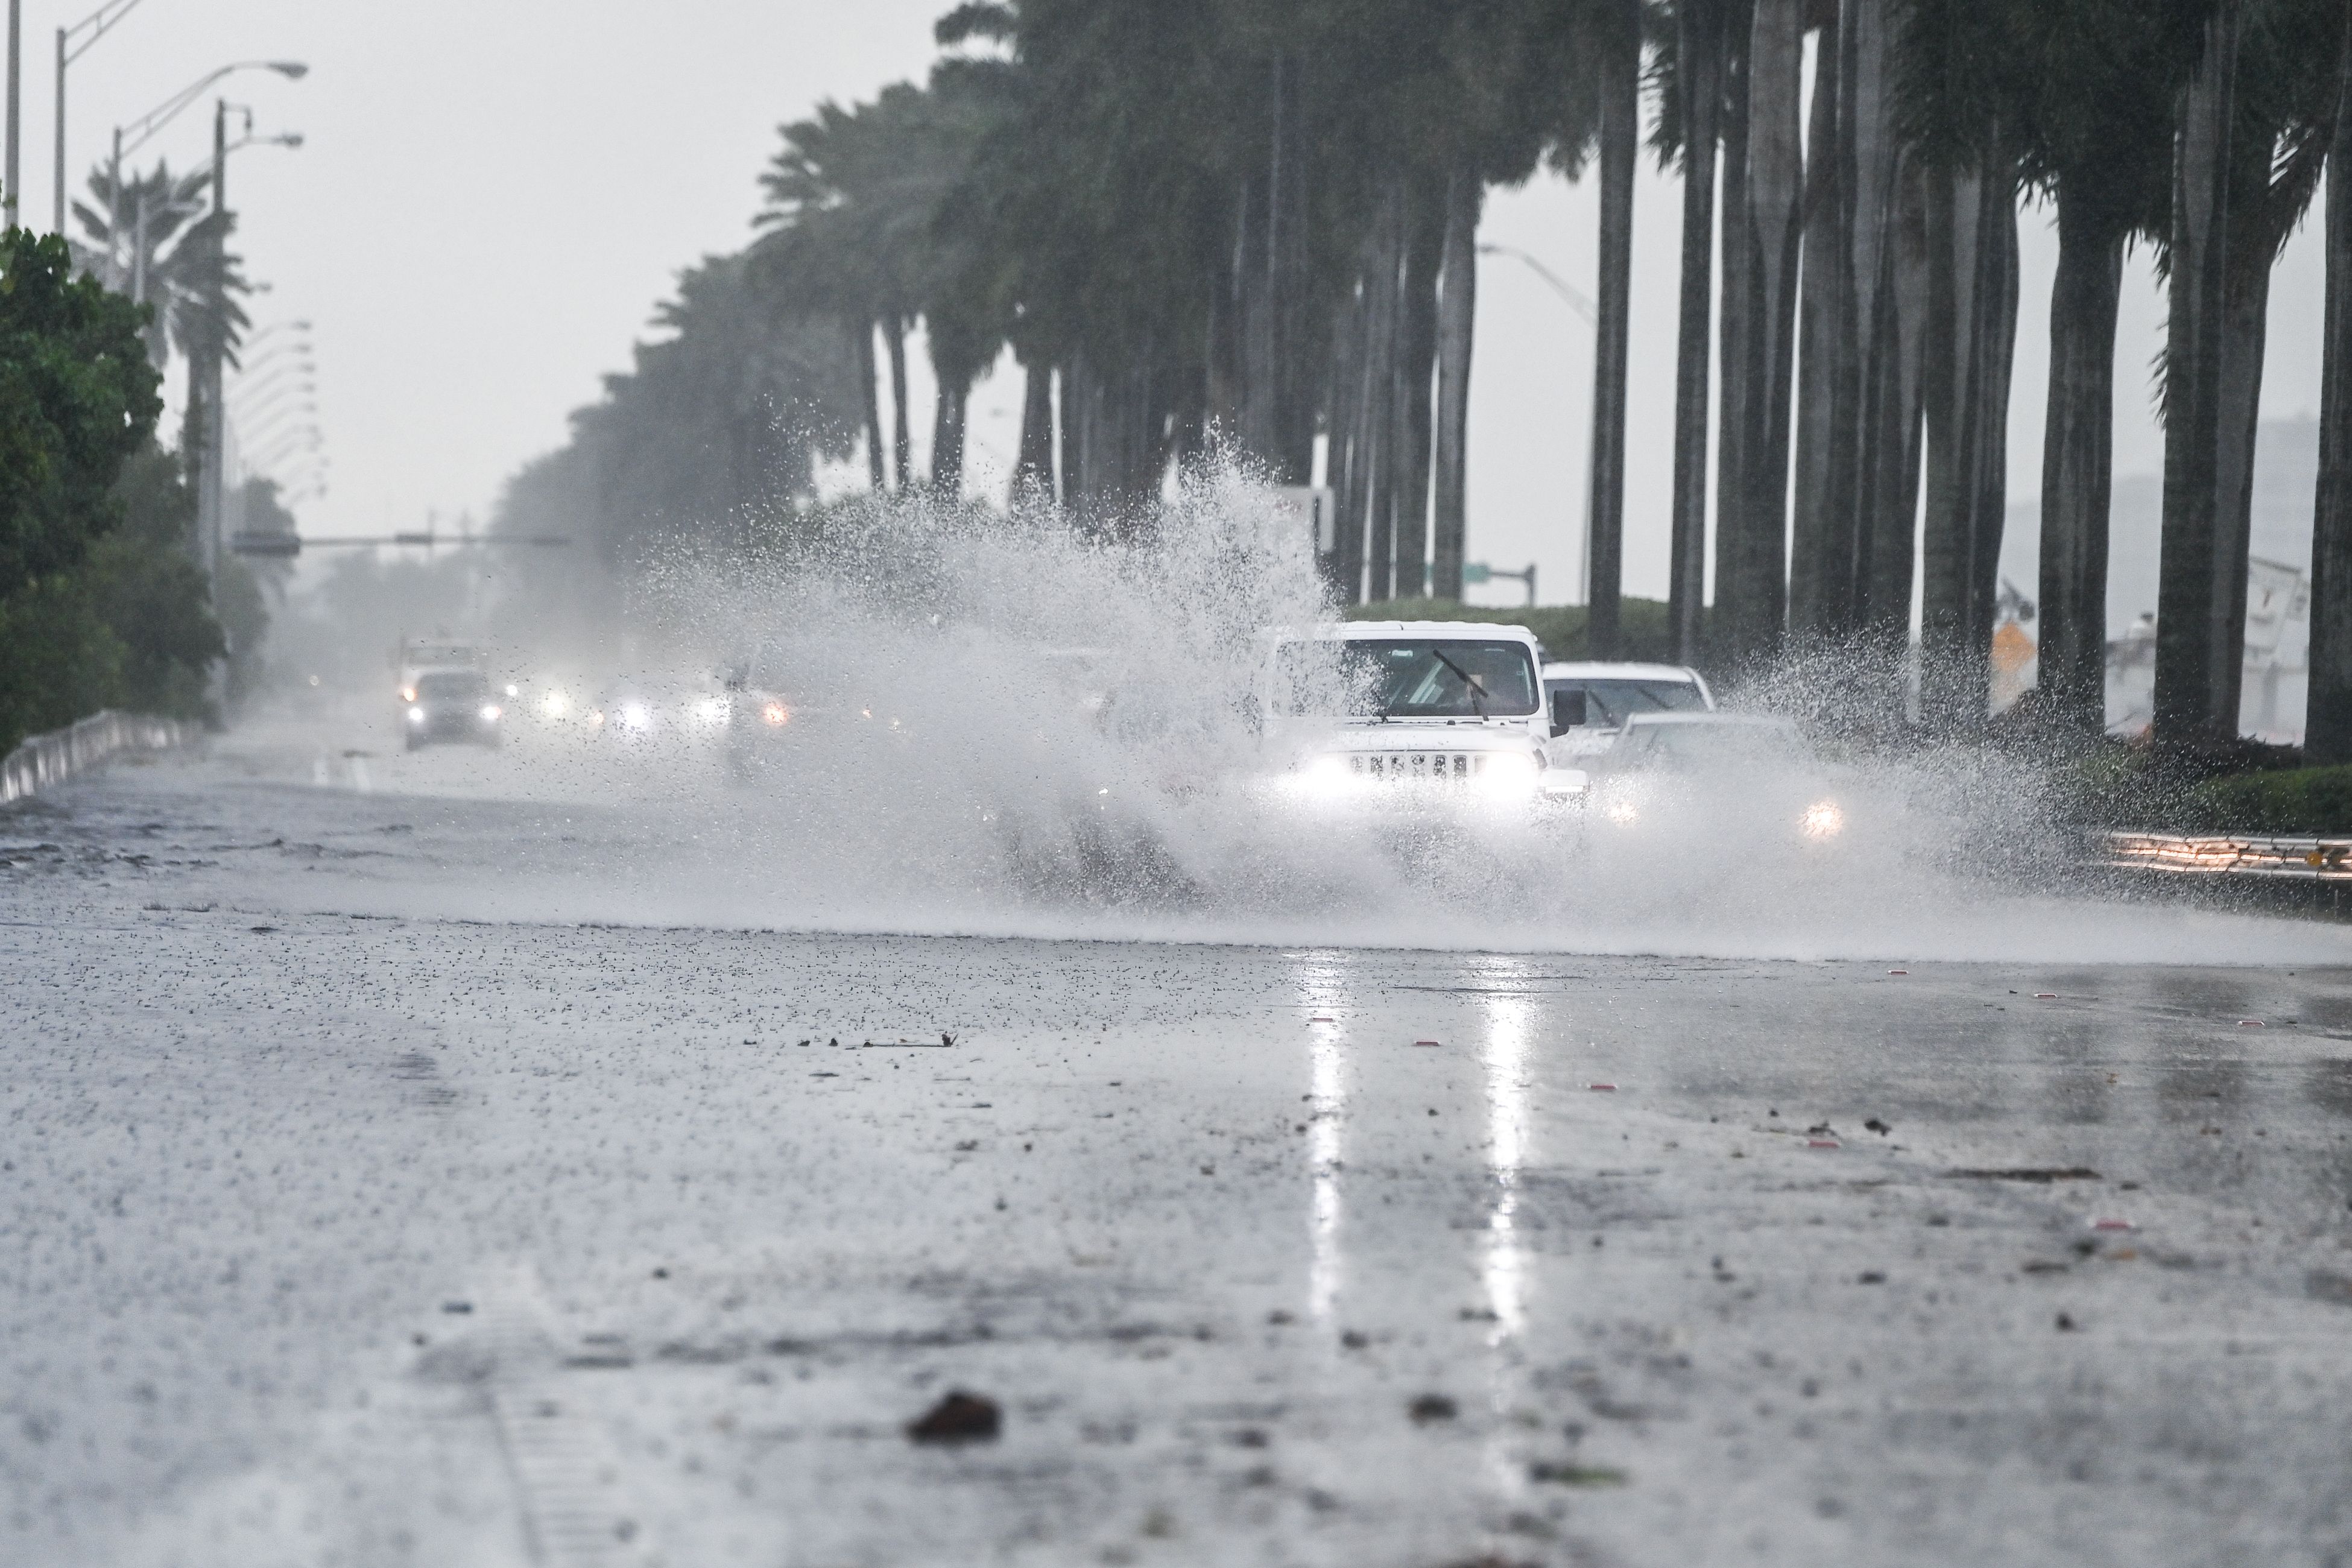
(1508, 773)
(1326, 778)
(1822, 819)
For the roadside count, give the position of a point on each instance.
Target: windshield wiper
(1468, 680)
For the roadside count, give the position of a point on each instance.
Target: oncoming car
(1696, 775)
(1394, 711)
(451, 705)
(1592, 700)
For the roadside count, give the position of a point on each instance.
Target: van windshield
(1405, 677)
(1610, 702)
(452, 685)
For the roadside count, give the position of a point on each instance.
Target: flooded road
(374, 1195)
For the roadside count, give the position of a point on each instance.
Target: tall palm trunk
(1993, 358)
(2252, 246)
(1380, 353)
(861, 353)
(2197, 646)
(1885, 513)
(1754, 597)
(1967, 339)
(1892, 472)
(2327, 728)
(902, 438)
(947, 438)
(1621, 136)
(1734, 326)
(1290, 424)
(1416, 364)
(1344, 469)
(1698, 38)
(1034, 475)
(1821, 576)
(1946, 694)
(2077, 459)
(1456, 311)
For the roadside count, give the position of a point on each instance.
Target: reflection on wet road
(1253, 1272)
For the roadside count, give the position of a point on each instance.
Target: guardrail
(2227, 855)
(44, 760)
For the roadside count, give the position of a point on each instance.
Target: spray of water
(1005, 725)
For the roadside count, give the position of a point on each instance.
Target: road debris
(1576, 1475)
(960, 1417)
(2042, 1174)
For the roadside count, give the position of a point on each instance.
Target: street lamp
(304, 438)
(272, 330)
(249, 387)
(212, 491)
(268, 424)
(72, 44)
(131, 137)
(252, 411)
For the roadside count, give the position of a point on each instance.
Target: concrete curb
(44, 760)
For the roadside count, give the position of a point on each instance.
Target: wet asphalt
(337, 1229)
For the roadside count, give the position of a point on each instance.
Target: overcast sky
(493, 198)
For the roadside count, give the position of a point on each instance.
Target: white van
(1592, 701)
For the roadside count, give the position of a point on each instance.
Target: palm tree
(1616, 31)
(175, 253)
(850, 200)
(1751, 565)
(2089, 89)
(1951, 126)
(2260, 163)
(2328, 728)
(1690, 126)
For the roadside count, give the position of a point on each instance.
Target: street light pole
(15, 103)
(210, 482)
(97, 25)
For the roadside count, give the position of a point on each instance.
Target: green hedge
(1560, 628)
(2290, 801)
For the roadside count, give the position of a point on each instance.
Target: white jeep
(1411, 711)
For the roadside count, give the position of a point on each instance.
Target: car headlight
(555, 704)
(409, 694)
(417, 715)
(1822, 819)
(489, 712)
(711, 709)
(773, 714)
(635, 715)
(512, 689)
(1508, 772)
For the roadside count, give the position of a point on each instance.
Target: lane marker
(562, 1463)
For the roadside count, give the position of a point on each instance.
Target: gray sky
(494, 197)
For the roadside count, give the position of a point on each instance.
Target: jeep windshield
(1405, 677)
